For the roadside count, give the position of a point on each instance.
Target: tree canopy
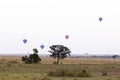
(59, 52)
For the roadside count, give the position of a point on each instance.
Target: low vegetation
(69, 73)
(12, 68)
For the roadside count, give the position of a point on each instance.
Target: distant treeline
(72, 56)
(96, 56)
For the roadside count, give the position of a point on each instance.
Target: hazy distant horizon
(47, 55)
(46, 22)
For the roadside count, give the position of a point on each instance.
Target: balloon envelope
(24, 41)
(100, 19)
(42, 46)
(66, 36)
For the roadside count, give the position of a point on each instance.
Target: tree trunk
(58, 58)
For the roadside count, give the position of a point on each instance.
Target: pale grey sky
(48, 21)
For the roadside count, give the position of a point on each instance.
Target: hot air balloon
(42, 46)
(24, 41)
(100, 19)
(66, 36)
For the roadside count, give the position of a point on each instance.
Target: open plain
(12, 68)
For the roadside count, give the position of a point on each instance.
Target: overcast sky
(48, 21)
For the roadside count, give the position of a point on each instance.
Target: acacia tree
(59, 52)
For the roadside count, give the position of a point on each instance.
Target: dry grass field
(82, 61)
(67, 60)
(12, 68)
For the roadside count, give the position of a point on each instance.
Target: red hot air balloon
(66, 36)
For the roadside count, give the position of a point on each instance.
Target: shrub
(51, 73)
(104, 70)
(55, 63)
(58, 73)
(71, 73)
(104, 73)
(45, 78)
(84, 73)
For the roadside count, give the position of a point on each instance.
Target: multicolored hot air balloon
(42, 46)
(66, 36)
(100, 19)
(24, 41)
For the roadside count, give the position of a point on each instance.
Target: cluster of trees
(32, 58)
(57, 51)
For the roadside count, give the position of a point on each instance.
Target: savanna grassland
(12, 68)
